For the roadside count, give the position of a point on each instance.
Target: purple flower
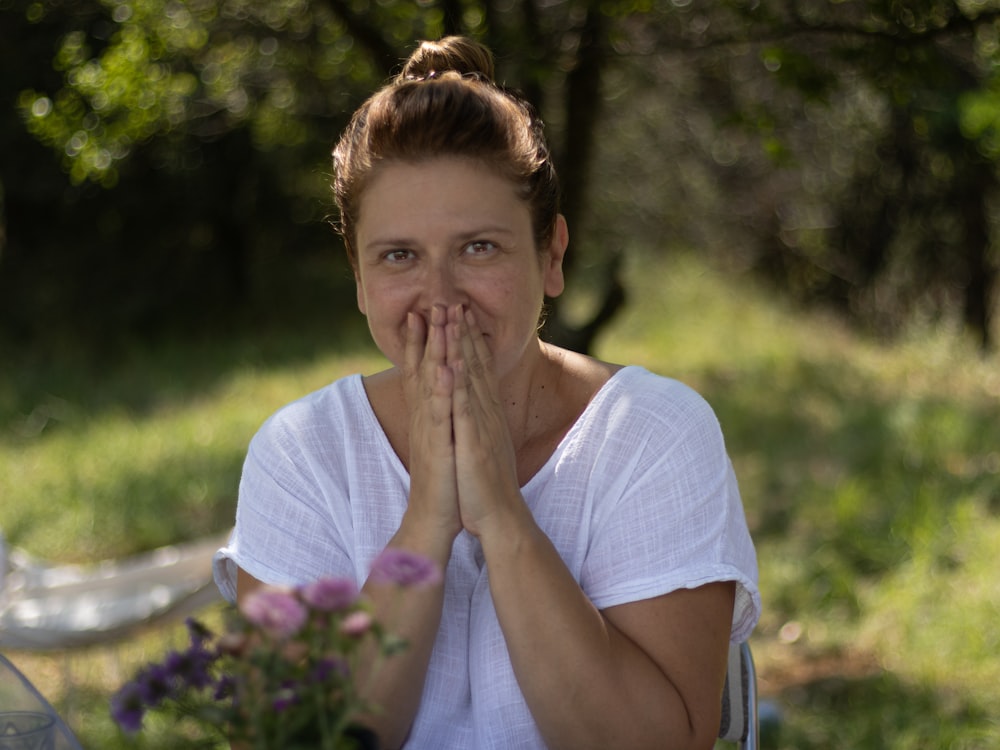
(127, 708)
(197, 632)
(191, 666)
(285, 698)
(155, 685)
(330, 594)
(278, 613)
(404, 568)
(225, 688)
(328, 666)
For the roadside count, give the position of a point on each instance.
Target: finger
(462, 405)
(433, 498)
(426, 358)
(441, 405)
(431, 437)
(454, 336)
(416, 340)
(476, 412)
(413, 350)
(440, 378)
(478, 341)
(436, 350)
(479, 359)
(466, 365)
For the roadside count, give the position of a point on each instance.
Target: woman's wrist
(507, 530)
(427, 536)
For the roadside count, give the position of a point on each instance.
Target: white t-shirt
(639, 498)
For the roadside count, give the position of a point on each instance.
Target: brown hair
(445, 102)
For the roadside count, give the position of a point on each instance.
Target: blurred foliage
(846, 151)
(843, 151)
(198, 70)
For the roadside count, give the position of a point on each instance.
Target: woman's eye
(480, 247)
(397, 256)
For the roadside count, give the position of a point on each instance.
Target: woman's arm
(644, 674)
(391, 686)
(429, 526)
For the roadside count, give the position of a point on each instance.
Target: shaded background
(165, 163)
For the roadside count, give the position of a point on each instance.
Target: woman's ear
(553, 258)
(361, 293)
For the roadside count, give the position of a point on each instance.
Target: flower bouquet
(281, 676)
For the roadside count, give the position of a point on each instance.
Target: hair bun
(457, 54)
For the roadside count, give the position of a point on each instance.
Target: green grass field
(870, 475)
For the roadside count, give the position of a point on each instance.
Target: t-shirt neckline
(595, 401)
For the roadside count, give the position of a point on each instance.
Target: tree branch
(382, 51)
(795, 26)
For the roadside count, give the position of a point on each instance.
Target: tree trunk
(981, 283)
(583, 102)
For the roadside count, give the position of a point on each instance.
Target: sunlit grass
(942, 607)
(102, 479)
(147, 453)
(870, 474)
(871, 478)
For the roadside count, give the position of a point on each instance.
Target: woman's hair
(445, 102)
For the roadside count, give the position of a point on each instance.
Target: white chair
(52, 606)
(27, 720)
(739, 700)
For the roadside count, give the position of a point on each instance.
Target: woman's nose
(441, 286)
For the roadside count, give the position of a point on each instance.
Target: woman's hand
(433, 509)
(430, 524)
(646, 673)
(485, 461)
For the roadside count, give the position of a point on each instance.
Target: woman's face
(451, 231)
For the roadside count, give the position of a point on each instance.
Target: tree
(197, 100)
(880, 121)
(845, 151)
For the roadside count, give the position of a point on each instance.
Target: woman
(596, 556)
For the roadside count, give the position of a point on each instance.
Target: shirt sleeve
(285, 532)
(672, 516)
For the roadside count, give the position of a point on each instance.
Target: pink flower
(330, 594)
(275, 611)
(404, 568)
(356, 624)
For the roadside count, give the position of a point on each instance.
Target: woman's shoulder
(592, 382)
(335, 403)
(582, 376)
(640, 396)
(638, 380)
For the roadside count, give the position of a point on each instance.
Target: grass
(870, 475)
(871, 479)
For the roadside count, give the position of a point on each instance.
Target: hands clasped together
(463, 469)
(629, 675)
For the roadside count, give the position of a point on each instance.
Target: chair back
(739, 699)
